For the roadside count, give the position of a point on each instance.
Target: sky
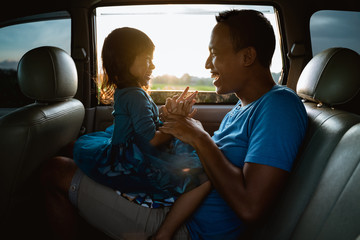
(181, 39)
(16, 40)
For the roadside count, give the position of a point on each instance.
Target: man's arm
(183, 208)
(252, 190)
(249, 191)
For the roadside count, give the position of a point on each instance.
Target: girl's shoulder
(131, 97)
(130, 93)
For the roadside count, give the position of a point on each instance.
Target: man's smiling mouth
(215, 76)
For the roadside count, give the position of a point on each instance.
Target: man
(247, 160)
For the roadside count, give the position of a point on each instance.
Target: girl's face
(142, 68)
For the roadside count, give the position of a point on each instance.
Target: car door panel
(209, 115)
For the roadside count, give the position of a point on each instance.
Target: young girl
(132, 156)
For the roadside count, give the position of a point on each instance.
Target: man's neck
(259, 84)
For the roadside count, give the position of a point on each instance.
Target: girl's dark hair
(250, 28)
(119, 51)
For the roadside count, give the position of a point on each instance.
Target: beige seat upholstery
(321, 190)
(34, 133)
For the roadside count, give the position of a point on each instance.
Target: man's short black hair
(250, 28)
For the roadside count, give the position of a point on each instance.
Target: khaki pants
(114, 215)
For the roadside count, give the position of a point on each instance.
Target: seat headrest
(47, 74)
(332, 77)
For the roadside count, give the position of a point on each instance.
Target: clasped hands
(177, 115)
(179, 105)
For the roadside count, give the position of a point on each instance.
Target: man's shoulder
(280, 101)
(283, 90)
(282, 95)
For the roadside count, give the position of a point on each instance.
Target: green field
(161, 86)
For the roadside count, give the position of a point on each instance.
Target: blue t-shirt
(267, 131)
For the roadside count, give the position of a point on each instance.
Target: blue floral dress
(122, 158)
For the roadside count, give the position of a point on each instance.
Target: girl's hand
(180, 105)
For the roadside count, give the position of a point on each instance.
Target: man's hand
(184, 128)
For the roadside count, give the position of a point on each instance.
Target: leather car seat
(332, 78)
(36, 132)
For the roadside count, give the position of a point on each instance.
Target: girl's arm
(160, 138)
(182, 209)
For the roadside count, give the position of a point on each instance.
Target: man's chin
(218, 90)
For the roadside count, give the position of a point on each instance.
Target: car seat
(36, 132)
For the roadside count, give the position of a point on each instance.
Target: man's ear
(249, 56)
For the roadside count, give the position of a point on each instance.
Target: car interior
(39, 121)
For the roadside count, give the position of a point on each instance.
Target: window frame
(19, 98)
(320, 46)
(37, 18)
(162, 94)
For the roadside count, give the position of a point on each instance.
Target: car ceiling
(15, 9)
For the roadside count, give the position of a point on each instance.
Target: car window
(181, 34)
(335, 29)
(16, 40)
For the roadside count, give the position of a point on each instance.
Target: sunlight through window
(181, 35)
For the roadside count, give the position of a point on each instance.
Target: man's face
(224, 64)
